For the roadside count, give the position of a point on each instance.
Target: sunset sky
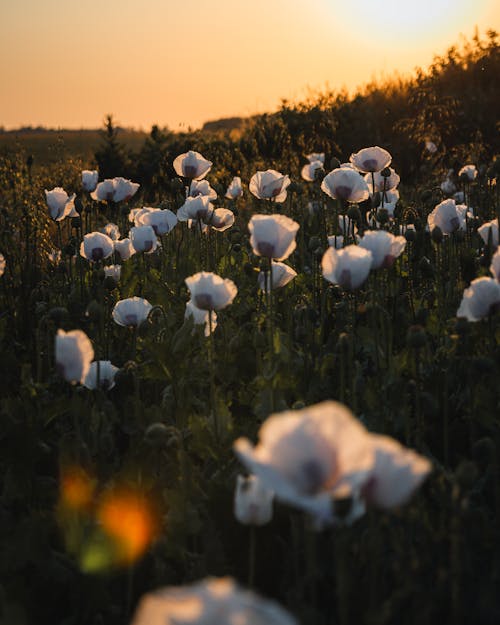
(67, 63)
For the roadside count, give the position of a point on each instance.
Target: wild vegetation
(118, 478)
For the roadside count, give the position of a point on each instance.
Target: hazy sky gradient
(66, 63)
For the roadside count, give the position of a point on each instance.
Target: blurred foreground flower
(76, 489)
(273, 236)
(209, 602)
(345, 184)
(480, 300)
(306, 456)
(192, 165)
(269, 185)
(349, 267)
(209, 291)
(253, 502)
(371, 159)
(60, 205)
(131, 312)
(397, 473)
(73, 355)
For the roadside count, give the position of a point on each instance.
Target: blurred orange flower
(77, 488)
(130, 521)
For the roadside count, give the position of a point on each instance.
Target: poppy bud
(295, 188)
(484, 451)
(376, 199)
(354, 213)
(259, 340)
(157, 434)
(343, 342)
(76, 222)
(94, 311)
(298, 405)
(462, 326)
(466, 474)
(386, 172)
(334, 163)
(464, 177)
(69, 250)
(437, 234)
(248, 268)
(235, 235)
(426, 196)
(58, 314)
(176, 184)
(416, 337)
(459, 236)
(382, 215)
(491, 173)
(410, 235)
(29, 161)
(236, 248)
(110, 283)
(313, 243)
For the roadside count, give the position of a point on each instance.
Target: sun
(406, 19)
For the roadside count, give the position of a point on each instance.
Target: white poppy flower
(124, 248)
(308, 172)
(96, 246)
(480, 299)
(200, 316)
(273, 236)
(269, 185)
(195, 208)
(348, 267)
(371, 159)
(60, 205)
(89, 180)
(143, 239)
(447, 216)
(431, 147)
(115, 190)
(162, 221)
(192, 165)
(486, 228)
(113, 271)
(202, 187)
(234, 190)
(345, 184)
(101, 374)
(495, 265)
(448, 187)
(73, 355)
(391, 182)
(220, 219)
(112, 231)
(282, 275)
(470, 171)
(131, 312)
(209, 291)
(384, 246)
(316, 156)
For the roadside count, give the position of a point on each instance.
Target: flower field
(281, 371)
